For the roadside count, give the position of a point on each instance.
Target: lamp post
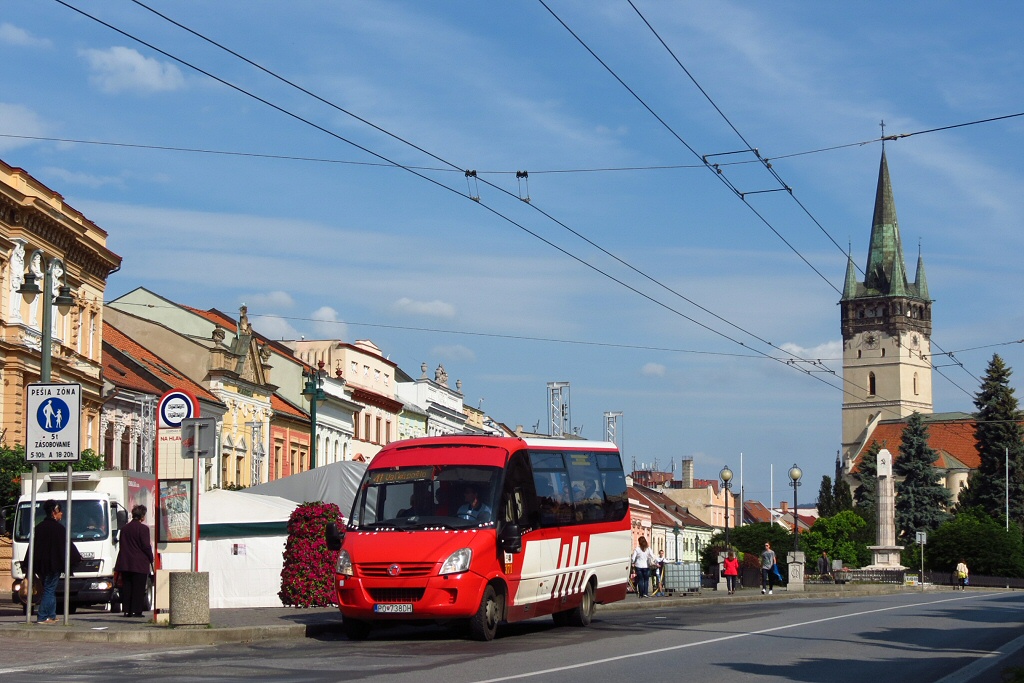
(30, 290)
(314, 391)
(794, 474)
(726, 475)
(675, 532)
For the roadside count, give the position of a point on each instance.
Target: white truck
(100, 505)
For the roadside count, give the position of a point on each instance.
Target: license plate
(400, 608)
(88, 556)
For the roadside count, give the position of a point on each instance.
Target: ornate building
(886, 326)
(39, 231)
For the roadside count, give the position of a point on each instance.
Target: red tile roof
(161, 372)
(279, 405)
(949, 438)
(701, 483)
(660, 502)
(757, 512)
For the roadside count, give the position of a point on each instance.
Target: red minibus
(483, 530)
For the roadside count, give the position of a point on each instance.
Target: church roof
(950, 435)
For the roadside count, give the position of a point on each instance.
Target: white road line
(985, 663)
(709, 641)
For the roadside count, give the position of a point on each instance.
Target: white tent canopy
(335, 483)
(241, 544)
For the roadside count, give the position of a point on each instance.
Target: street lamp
(30, 290)
(675, 532)
(726, 475)
(314, 391)
(794, 474)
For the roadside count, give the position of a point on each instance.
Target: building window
(108, 446)
(277, 461)
(366, 429)
(858, 353)
(387, 432)
(378, 434)
(871, 384)
(883, 352)
(915, 384)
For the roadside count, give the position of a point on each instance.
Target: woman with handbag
(961, 575)
(642, 560)
(134, 563)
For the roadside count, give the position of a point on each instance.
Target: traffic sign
(53, 416)
(198, 437)
(922, 538)
(176, 405)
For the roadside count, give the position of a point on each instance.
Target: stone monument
(886, 554)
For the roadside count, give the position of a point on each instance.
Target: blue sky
(336, 242)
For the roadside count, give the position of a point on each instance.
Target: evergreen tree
(826, 500)
(997, 432)
(842, 498)
(866, 475)
(921, 501)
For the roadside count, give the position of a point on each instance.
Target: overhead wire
(492, 210)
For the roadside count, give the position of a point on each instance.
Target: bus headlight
(457, 562)
(344, 565)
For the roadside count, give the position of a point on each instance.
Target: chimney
(785, 507)
(687, 473)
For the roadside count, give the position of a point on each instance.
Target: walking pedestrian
(642, 560)
(731, 570)
(134, 563)
(768, 569)
(48, 559)
(961, 575)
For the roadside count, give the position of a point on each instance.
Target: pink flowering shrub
(307, 579)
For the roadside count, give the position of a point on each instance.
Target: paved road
(926, 638)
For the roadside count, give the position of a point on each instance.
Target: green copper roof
(886, 272)
(850, 287)
(920, 280)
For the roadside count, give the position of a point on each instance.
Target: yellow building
(35, 219)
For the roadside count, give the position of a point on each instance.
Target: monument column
(886, 554)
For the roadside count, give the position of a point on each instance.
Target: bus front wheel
(484, 624)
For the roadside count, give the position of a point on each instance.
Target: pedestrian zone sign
(53, 413)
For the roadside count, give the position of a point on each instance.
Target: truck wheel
(72, 607)
(484, 624)
(584, 612)
(355, 629)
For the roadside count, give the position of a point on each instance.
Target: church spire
(850, 286)
(886, 249)
(920, 281)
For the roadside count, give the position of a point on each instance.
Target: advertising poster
(175, 510)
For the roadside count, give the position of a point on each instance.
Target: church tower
(887, 326)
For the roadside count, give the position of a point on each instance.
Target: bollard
(190, 598)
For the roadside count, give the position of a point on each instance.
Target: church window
(883, 352)
(858, 353)
(915, 384)
(871, 384)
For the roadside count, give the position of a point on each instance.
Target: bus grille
(396, 594)
(380, 569)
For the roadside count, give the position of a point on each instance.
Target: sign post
(922, 540)
(53, 433)
(198, 441)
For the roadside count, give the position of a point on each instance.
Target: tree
(750, 538)
(866, 475)
(921, 501)
(307, 578)
(840, 537)
(826, 498)
(997, 433)
(984, 542)
(12, 467)
(842, 498)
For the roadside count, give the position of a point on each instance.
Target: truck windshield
(89, 520)
(431, 496)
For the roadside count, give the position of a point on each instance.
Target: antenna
(560, 417)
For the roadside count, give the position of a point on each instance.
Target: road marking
(709, 641)
(985, 663)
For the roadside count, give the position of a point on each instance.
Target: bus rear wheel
(484, 624)
(583, 613)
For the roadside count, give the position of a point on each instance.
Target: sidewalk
(265, 623)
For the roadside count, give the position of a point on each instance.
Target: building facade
(39, 231)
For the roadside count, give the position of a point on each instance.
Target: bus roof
(473, 449)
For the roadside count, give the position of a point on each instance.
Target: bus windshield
(430, 496)
(89, 521)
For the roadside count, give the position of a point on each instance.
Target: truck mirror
(3, 522)
(333, 536)
(511, 539)
(122, 517)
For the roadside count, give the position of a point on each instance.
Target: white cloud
(653, 370)
(273, 300)
(830, 353)
(274, 327)
(12, 35)
(120, 69)
(74, 178)
(433, 309)
(327, 325)
(19, 120)
(454, 352)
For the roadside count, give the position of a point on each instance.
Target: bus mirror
(332, 536)
(511, 539)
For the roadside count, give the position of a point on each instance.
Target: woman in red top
(731, 571)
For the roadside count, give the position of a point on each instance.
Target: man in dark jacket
(48, 559)
(134, 562)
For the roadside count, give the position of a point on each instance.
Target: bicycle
(631, 580)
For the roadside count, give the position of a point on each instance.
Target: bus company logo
(394, 570)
